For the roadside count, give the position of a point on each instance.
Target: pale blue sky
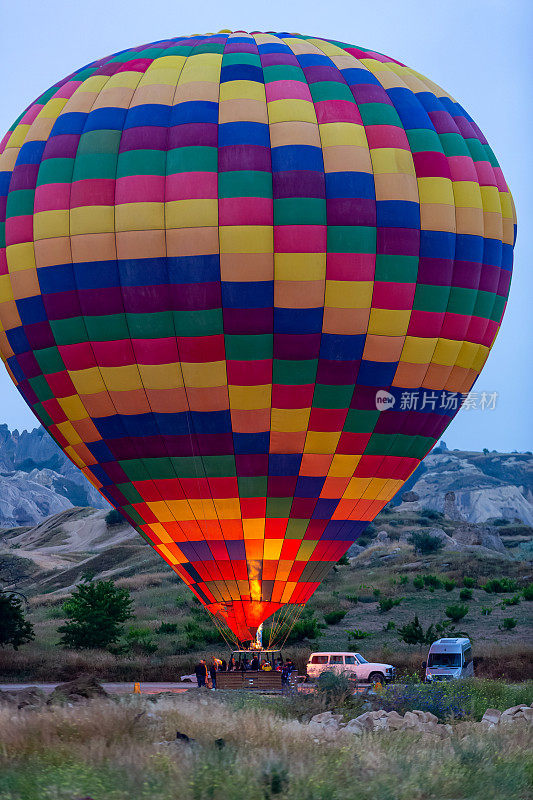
(478, 50)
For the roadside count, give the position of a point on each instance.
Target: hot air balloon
(246, 283)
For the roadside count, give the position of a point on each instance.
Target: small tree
(412, 632)
(14, 627)
(95, 613)
(456, 612)
(426, 544)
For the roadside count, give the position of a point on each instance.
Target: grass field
(105, 750)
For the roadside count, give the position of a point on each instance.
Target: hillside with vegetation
(409, 564)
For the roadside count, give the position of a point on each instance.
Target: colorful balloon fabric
(246, 281)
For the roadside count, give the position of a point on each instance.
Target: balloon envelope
(246, 281)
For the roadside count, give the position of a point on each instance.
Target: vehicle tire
(376, 677)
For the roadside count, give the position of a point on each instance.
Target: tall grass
(128, 750)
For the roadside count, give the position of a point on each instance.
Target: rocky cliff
(486, 486)
(37, 480)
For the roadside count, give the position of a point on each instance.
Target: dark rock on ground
(76, 690)
(30, 697)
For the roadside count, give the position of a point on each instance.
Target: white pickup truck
(351, 664)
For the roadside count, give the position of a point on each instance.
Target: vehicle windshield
(444, 660)
(360, 658)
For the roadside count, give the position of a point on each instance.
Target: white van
(351, 664)
(449, 659)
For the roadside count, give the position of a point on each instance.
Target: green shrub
(426, 544)
(511, 601)
(333, 617)
(343, 561)
(413, 633)
(501, 521)
(431, 514)
(403, 580)
(432, 582)
(500, 586)
(308, 627)
(388, 603)
(508, 624)
(527, 592)
(390, 626)
(198, 635)
(334, 687)
(486, 610)
(167, 627)
(352, 598)
(456, 612)
(449, 584)
(139, 641)
(470, 583)
(465, 594)
(418, 582)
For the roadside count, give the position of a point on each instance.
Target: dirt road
(112, 688)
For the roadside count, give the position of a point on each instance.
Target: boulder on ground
(325, 716)
(491, 717)
(7, 698)
(509, 712)
(480, 535)
(29, 697)
(80, 689)
(354, 726)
